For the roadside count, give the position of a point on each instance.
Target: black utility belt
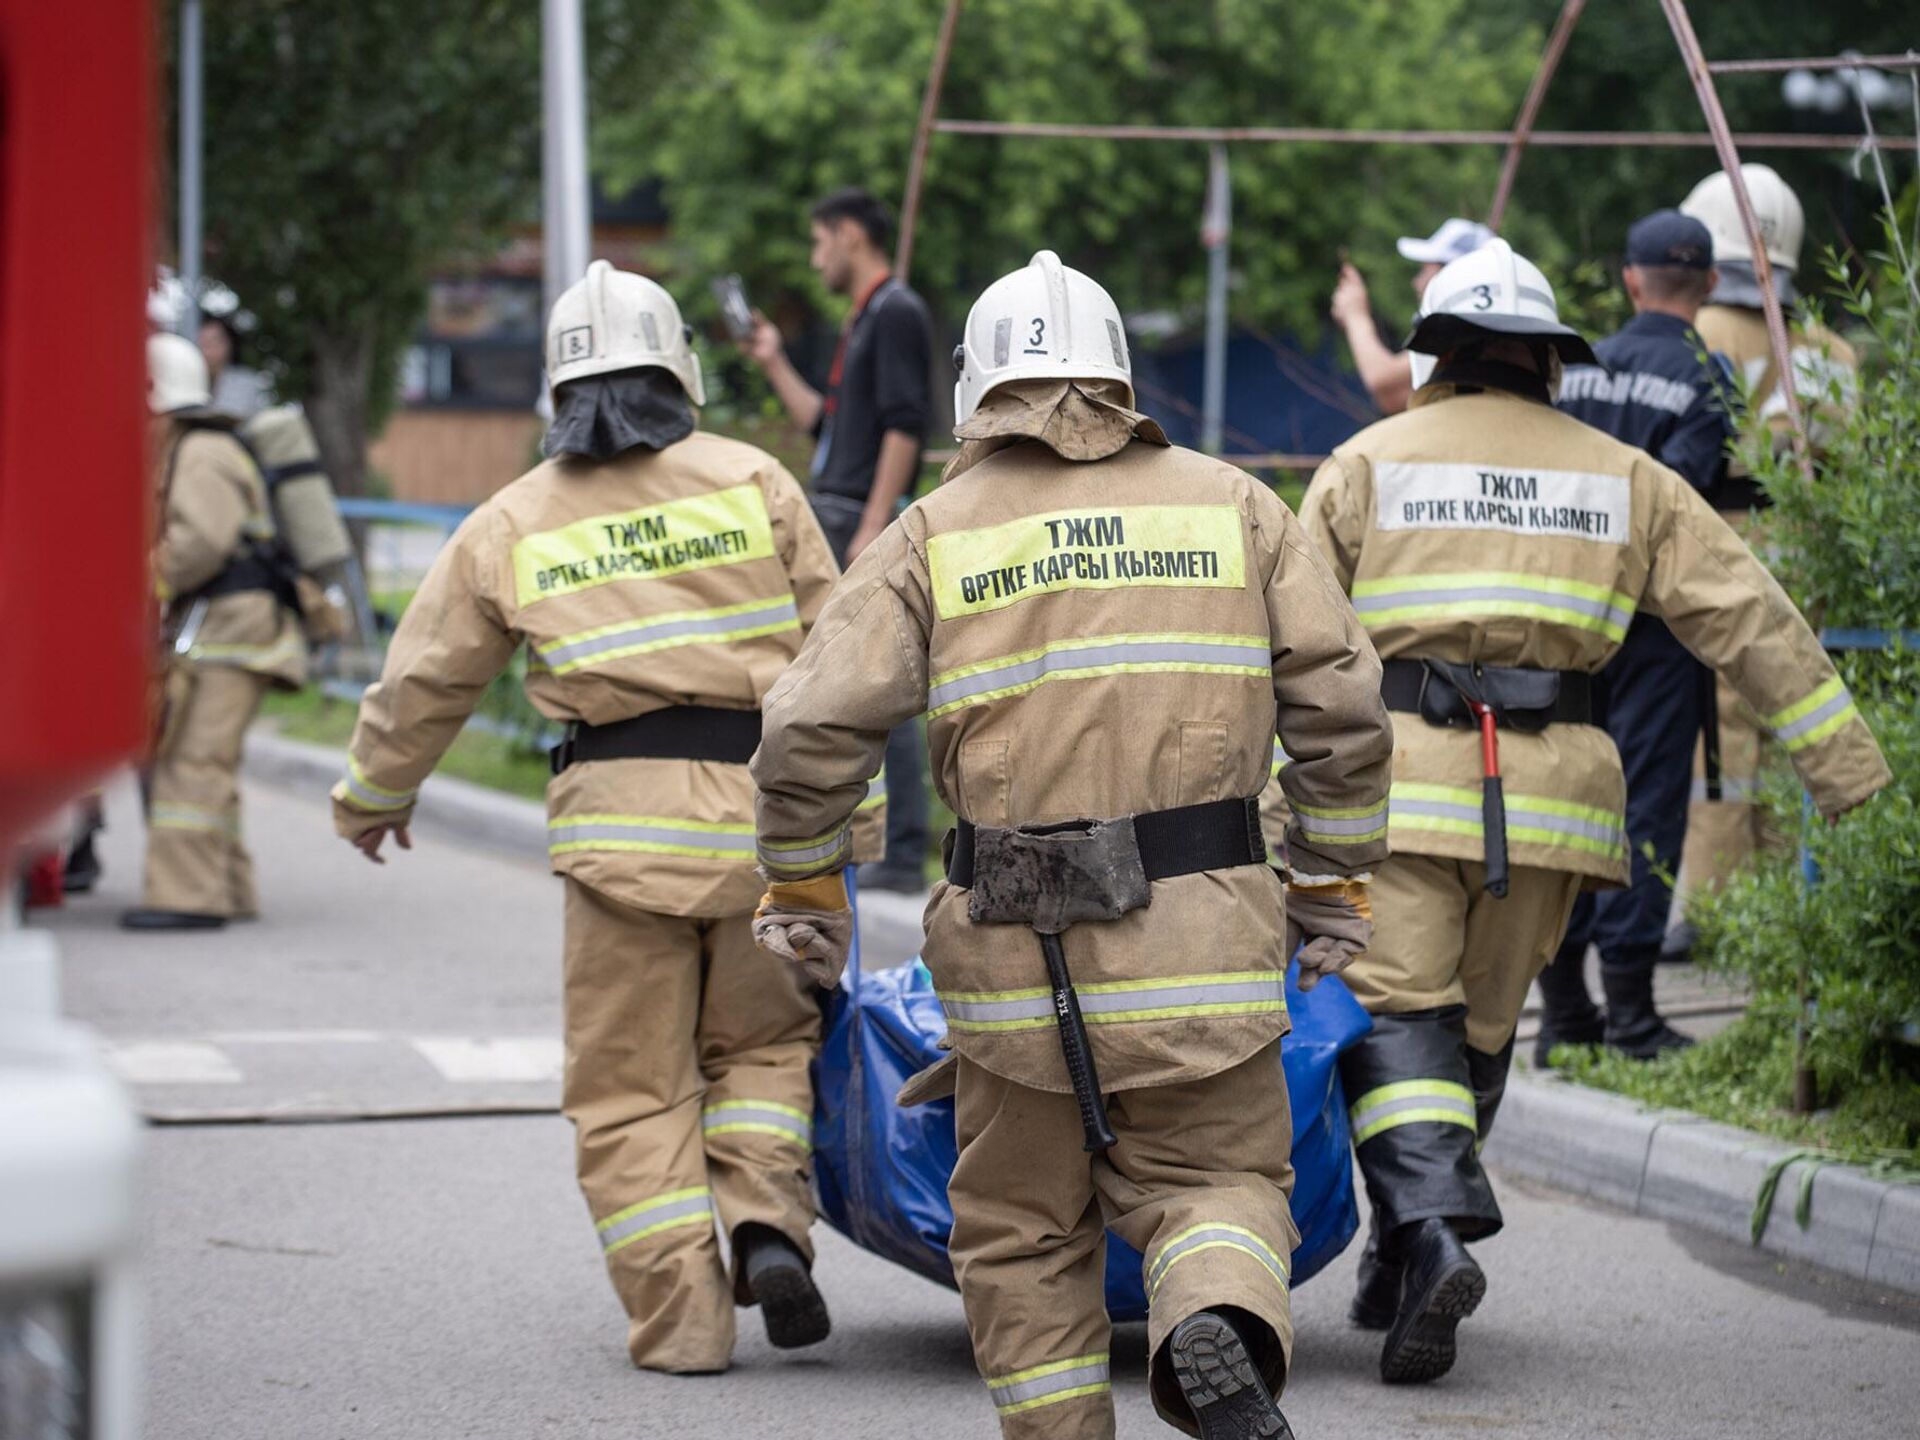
(1443, 693)
(1217, 835)
(679, 732)
(247, 572)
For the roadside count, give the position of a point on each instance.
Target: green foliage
(1743, 1076)
(752, 110)
(1846, 539)
(352, 150)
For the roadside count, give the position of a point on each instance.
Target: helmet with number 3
(1493, 292)
(1044, 321)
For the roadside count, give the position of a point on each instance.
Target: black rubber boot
(1376, 1290)
(778, 1281)
(144, 919)
(1677, 948)
(1634, 1026)
(1221, 1383)
(1568, 1015)
(82, 871)
(1442, 1287)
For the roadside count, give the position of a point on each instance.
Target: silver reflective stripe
(1814, 718)
(563, 832)
(734, 1115)
(1436, 1103)
(370, 797)
(806, 857)
(685, 627)
(1083, 657)
(1740, 792)
(1523, 594)
(1368, 824)
(1518, 817)
(997, 1012)
(1095, 1002)
(1095, 1371)
(1202, 1236)
(630, 1225)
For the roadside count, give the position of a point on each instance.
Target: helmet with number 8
(1044, 321)
(1493, 292)
(614, 320)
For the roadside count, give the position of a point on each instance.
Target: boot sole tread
(1426, 1347)
(1229, 1400)
(790, 1303)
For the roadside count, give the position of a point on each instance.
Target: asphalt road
(438, 1276)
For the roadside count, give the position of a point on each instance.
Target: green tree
(751, 110)
(352, 150)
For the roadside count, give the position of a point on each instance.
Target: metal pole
(1909, 61)
(1322, 135)
(1530, 108)
(922, 134)
(192, 109)
(568, 237)
(1215, 233)
(1723, 143)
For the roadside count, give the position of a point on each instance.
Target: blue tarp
(883, 1170)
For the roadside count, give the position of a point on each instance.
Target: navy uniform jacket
(1657, 392)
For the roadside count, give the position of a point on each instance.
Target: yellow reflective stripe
(758, 1117)
(803, 857)
(1811, 720)
(192, 817)
(1096, 655)
(725, 625)
(363, 794)
(1050, 1384)
(650, 835)
(1531, 819)
(675, 537)
(1095, 548)
(801, 1115)
(1242, 992)
(1350, 825)
(1213, 1235)
(1409, 1102)
(670, 1211)
(1598, 608)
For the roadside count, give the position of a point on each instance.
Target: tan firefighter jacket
(1483, 527)
(1092, 639)
(1826, 370)
(685, 576)
(213, 502)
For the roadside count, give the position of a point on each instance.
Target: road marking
(470, 1059)
(170, 1062)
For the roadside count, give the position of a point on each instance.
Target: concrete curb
(510, 824)
(1672, 1165)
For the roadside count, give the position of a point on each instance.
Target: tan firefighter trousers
(1198, 1184)
(1439, 939)
(1724, 834)
(196, 860)
(687, 1085)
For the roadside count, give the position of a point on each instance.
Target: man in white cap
(1497, 551)
(1106, 633)
(1392, 375)
(661, 578)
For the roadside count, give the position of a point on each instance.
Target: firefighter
(661, 578)
(230, 632)
(1724, 825)
(1103, 631)
(1497, 551)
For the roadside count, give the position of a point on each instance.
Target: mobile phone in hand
(734, 309)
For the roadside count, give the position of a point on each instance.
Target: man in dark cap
(1655, 387)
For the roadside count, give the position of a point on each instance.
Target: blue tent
(882, 1170)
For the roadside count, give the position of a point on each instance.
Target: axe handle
(1078, 1049)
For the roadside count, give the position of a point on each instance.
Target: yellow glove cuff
(1352, 892)
(821, 892)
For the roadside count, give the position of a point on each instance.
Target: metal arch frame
(1700, 71)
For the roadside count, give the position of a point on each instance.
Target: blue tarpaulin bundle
(883, 1170)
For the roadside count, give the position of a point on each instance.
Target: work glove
(807, 923)
(1334, 918)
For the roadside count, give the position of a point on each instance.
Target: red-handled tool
(1493, 802)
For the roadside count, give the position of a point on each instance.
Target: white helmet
(613, 320)
(1493, 291)
(1044, 321)
(1783, 225)
(176, 374)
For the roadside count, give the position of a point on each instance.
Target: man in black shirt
(1655, 388)
(870, 425)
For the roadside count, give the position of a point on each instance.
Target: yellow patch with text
(696, 532)
(976, 571)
